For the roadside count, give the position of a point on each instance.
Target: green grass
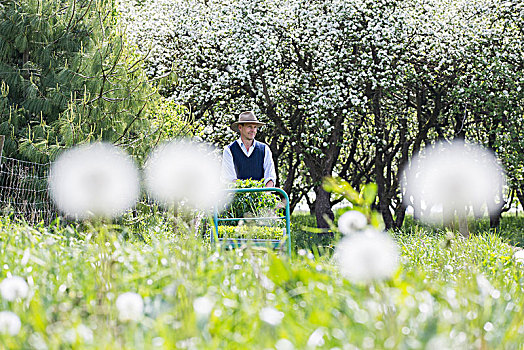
(437, 299)
(511, 228)
(303, 237)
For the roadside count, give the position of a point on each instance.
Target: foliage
(252, 204)
(68, 77)
(362, 201)
(305, 238)
(474, 297)
(250, 231)
(510, 229)
(172, 120)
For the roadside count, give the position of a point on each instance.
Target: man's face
(248, 131)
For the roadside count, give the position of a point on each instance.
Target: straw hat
(246, 118)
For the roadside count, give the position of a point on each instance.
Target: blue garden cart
(237, 242)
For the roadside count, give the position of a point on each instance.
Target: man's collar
(240, 143)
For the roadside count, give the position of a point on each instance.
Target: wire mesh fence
(24, 195)
(23, 190)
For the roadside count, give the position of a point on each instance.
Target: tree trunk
(311, 205)
(417, 214)
(462, 214)
(494, 217)
(323, 207)
(520, 196)
(495, 209)
(477, 211)
(400, 214)
(383, 204)
(383, 198)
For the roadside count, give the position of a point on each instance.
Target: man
(247, 158)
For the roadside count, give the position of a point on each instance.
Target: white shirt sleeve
(269, 167)
(228, 168)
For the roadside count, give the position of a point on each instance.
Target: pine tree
(67, 77)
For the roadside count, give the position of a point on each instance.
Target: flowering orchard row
(353, 87)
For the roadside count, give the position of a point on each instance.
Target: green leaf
(342, 187)
(369, 193)
(342, 210)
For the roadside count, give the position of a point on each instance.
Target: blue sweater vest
(251, 167)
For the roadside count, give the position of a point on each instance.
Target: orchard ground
(448, 292)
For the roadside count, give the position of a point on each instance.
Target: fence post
(2, 139)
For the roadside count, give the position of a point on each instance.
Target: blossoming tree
(305, 67)
(350, 88)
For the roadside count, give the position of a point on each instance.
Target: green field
(448, 293)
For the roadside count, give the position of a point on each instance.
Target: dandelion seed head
(439, 342)
(284, 344)
(352, 221)
(185, 172)
(450, 177)
(271, 316)
(519, 256)
(485, 287)
(130, 306)
(79, 333)
(367, 256)
(9, 323)
(14, 287)
(203, 306)
(158, 342)
(316, 338)
(85, 333)
(97, 180)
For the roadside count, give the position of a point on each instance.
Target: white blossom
(271, 316)
(367, 256)
(352, 221)
(14, 287)
(97, 180)
(130, 306)
(185, 172)
(9, 323)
